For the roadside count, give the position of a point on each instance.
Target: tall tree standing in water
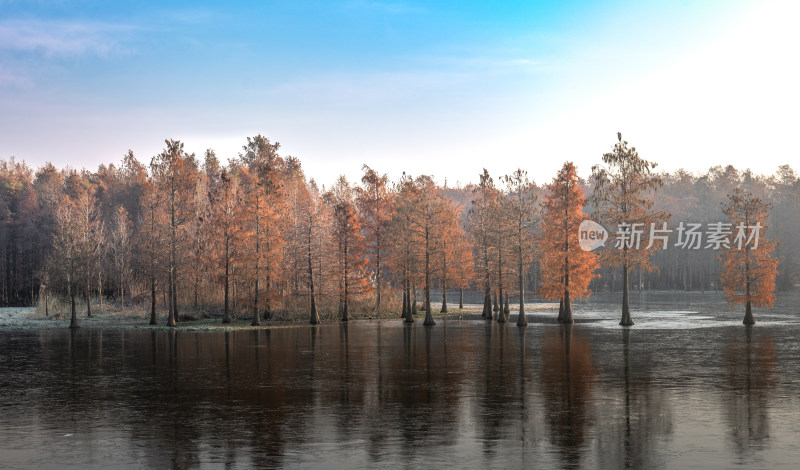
(175, 174)
(427, 223)
(484, 204)
(350, 244)
(522, 215)
(261, 161)
(404, 240)
(748, 267)
(315, 230)
(66, 251)
(623, 200)
(501, 234)
(227, 220)
(566, 268)
(375, 205)
(150, 251)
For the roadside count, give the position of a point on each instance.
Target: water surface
(688, 386)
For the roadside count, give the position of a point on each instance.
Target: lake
(688, 386)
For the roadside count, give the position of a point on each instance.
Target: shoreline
(27, 318)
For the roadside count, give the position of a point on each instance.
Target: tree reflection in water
(366, 395)
(638, 417)
(568, 380)
(750, 380)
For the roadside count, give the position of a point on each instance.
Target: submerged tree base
(626, 322)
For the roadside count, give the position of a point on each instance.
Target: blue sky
(442, 88)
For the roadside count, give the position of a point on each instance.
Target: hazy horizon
(404, 86)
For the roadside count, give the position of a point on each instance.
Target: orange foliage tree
(566, 268)
(484, 206)
(352, 273)
(404, 257)
(520, 207)
(426, 221)
(748, 267)
(375, 205)
(315, 242)
(450, 253)
(463, 270)
(226, 222)
(175, 174)
(262, 199)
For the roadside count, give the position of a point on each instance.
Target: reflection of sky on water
(465, 393)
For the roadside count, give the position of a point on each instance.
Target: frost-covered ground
(650, 310)
(30, 318)
(132, 318)
(18, 317)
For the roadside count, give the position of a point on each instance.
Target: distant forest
(188, 232)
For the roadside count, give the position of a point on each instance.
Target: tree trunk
(314, 315)
(175, 296)
(73, 323)
(748, 315)
(444, 281)
(748, 308)
(409, 311)
(226, 318)
(626, 310)
(88, 298)
(256, 318)
(172, 320)
(461, 298)
(501, 315)
(100, 287)
(428, 315)
(522, 319)
(487, 284)
(153, 316)
(567, 317)
(378, 274)
(404, 313)
(345, 299)
(267, 299)
(414, 301)
(444, 296)
(170, 304)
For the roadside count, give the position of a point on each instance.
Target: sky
(439, 88)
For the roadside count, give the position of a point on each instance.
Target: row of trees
(256, 235)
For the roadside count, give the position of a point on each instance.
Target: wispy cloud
(63, 38)
(14, 80)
